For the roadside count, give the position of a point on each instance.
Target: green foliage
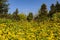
(16, 12)
(30, 16)
(42, 13)
(56, 16)
(15, 15)
(43, 9)
(3, 7)
(57, 6)
(52, 10)
(22, 17)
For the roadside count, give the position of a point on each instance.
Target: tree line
(43, 13)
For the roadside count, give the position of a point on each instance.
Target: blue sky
(26, 6)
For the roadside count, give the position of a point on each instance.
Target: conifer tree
(52, 10)
(43, 9)
(15, 14)
(57, 6)
(42, 13)
(3, 6)
(30, 16)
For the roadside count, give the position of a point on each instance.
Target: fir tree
(57, 6)
(30, 16)
(3, 6)
(52, 10)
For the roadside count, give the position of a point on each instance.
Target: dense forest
(43, 26)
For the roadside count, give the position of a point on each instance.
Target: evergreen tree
(30, 16)
(3, 7)
(42, 13)
(15, 14)
(43, 9)
(57, 6)
(52, 10)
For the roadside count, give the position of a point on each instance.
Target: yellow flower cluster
(2, 25)
(46, 30)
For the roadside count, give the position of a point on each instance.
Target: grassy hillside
(18, 30)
